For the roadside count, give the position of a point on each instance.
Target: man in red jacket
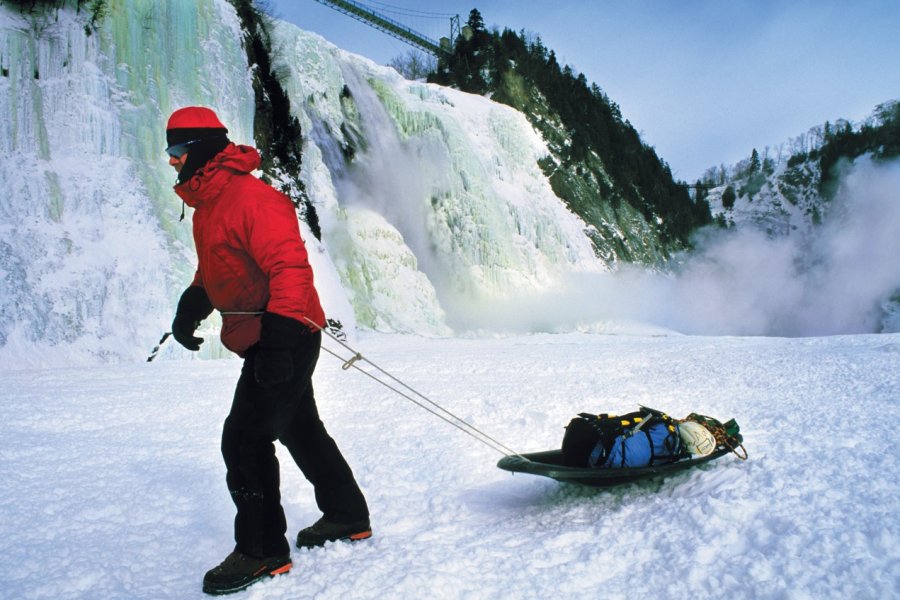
(253, 268)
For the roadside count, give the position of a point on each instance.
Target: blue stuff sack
(639, 439)
(655, 443)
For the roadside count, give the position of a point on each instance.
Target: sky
(703, 81)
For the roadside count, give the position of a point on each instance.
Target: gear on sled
(605, 450)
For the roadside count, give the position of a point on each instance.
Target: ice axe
(156, 348)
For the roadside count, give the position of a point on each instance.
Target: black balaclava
(201, 126)
(211, 142)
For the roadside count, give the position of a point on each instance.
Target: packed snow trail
(114, 486)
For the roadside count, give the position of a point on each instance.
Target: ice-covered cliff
(92, 249)
(441, 211)
(442, 208)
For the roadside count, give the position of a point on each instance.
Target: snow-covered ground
(113, 486)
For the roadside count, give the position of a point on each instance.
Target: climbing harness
(426, 403)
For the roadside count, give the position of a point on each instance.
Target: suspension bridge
(386, 18)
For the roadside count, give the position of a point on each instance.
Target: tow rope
(426, 403)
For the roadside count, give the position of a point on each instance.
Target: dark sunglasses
(178, 150)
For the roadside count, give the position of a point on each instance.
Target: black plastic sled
(550, 464)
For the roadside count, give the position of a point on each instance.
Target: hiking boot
(239, 571)
(329, 531)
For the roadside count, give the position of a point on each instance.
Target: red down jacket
(250, 257)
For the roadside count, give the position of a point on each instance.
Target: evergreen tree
(754, 162)
(728, 197)
(590, 141)
(475, 22)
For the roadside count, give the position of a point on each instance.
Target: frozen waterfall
(442, 211)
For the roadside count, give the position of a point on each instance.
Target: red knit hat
(193, 123)
(194, 117)
(197, 131)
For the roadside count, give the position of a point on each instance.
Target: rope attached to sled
(434, 408)
(734, 450)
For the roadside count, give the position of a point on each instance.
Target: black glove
(274, 361)
(193, 307)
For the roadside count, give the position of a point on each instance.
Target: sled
(549, 463)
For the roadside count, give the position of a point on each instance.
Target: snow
(114, 486)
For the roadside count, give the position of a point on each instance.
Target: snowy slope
(114, 487)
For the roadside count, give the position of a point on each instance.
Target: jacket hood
(207, 183)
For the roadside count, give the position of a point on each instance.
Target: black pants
(288, 413)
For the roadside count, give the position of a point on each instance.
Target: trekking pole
(156, 348)
(444, 414)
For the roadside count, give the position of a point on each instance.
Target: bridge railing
(386, 24)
